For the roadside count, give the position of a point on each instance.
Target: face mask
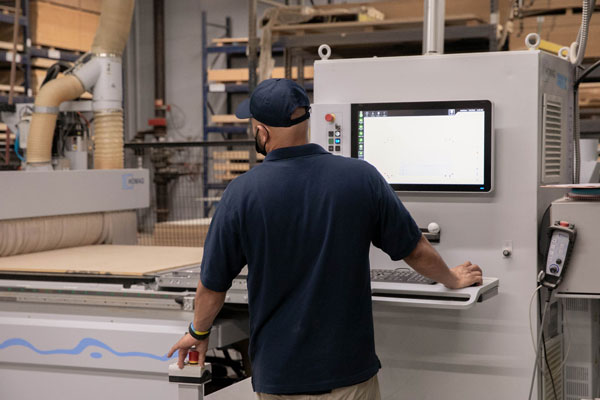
(261, 150)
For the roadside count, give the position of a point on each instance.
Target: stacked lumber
(64, 24)
(589, 95)
(230, 164)
(226, 119)
(239, 75)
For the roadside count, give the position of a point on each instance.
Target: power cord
(539, 339)
(544, 349)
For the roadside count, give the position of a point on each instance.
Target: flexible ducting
(113, 28)
(30, 235)
(39, 142)
(108, 153)
(101, 75)
(110, 40)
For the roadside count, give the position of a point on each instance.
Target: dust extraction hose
(39, 143)
(102, 74)
(110, 40)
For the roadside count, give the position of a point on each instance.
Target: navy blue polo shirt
(303, 221)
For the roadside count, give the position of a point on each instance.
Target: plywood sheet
(104, 260)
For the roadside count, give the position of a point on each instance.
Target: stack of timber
(56, 26)
(230, 164)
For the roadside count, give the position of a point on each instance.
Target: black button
(330, 148)
(330, 133)
(558, 261)
(337, 148)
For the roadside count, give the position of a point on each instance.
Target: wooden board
(232, 166)
(554, 6)
(62, 27)
(406, 9)
(241, 74)
(227, 119)
(235, 155)
(104, 260)
(222, 41)
(9, 46)
(589, 95)
(397, 23)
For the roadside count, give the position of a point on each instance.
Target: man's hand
(466, 274)
(184, 344)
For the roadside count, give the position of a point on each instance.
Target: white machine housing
(44, 193)
(483, 352)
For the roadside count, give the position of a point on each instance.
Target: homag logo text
(128, 181)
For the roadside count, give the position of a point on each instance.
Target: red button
(329, 117)
(564, 224)
(194, 355)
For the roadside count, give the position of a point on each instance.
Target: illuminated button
(329, 117)
(338, 140)
(338, 133)
(564, 224)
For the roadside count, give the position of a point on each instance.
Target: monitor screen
(427, 146)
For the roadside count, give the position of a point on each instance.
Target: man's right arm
(426, 261)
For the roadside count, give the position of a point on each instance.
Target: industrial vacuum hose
(101, 75)
(39, 143)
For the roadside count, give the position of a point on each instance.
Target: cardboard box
(62, 27)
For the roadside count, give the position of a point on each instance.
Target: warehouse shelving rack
(25, 56)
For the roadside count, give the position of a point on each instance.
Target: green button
(330, 141)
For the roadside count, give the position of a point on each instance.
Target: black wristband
(197, 336)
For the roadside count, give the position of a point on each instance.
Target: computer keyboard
(399, 275)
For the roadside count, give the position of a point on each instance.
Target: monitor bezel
(486, 105)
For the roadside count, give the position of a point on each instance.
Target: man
(303, 222)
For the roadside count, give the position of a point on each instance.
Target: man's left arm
(222, 261)
(207, 305)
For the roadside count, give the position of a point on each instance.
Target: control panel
(562, 237)
(330, 127)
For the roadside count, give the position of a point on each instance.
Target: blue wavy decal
(83, 344)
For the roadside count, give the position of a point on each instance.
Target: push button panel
(559, 244)
(330, 127)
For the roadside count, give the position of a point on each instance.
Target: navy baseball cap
(273, 102)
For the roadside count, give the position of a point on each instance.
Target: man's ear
(264, 134)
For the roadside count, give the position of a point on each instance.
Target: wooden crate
(230, 164)
(589, 95)
(560, 29)
(62, 27)
(241, 74)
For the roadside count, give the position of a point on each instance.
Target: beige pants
(368, 390)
